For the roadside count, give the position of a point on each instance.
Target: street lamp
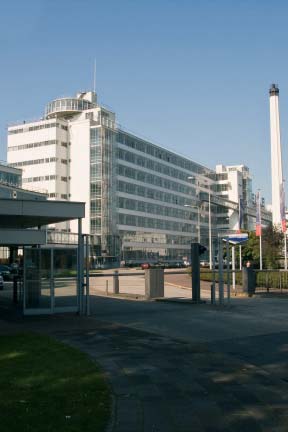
(209, 210)
(198, 208)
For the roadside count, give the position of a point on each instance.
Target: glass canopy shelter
(52, 276)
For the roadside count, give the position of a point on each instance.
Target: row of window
(37, 127)
(38, 161)
(153, 223)
(146, 207)
(151, 165)
(32, 145)
(154, 180)
(160, 153)
(56, 195)
(43, 178)
(154, 194)
(153, 237)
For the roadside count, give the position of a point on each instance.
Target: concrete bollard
(154, 283)
(248, 280)
(15, 289)
(116, 282)
(213, 295)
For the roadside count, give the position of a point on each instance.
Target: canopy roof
(15, 213)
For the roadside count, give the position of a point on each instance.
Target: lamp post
(198, 226)
(210, 230)
(209, 218)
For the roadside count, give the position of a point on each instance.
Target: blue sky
(192, 76)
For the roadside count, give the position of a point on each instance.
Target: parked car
(6, 272)
(145, 266)
(204, 263)
(1, 282)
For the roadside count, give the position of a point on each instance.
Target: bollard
(248, 280)
(154, 283)
(15, 289)
(195, 266)
(116, 282)
(213, 298)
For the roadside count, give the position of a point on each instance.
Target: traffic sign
(236, 238)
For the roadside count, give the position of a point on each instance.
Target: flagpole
(260, 238)
(285, 250)
(260, 234)
(260, 226)
(283, 220)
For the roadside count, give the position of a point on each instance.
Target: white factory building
(142, 200)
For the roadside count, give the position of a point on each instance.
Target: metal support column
(228, 269)
(195, 265)
(220, 270)
(80, 267)
(87, 275)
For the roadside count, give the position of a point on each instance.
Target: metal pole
(199, 236)
(220, 271)
(213, 296)
(228, 269)
(195, 266)
(80, 267)
(87, 276)
(260, 245)
(210, 231)
(285, 250)
(233, 269)
(260, 237)
(240, 257)
(52, 282)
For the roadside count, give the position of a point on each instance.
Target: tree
(251, 249)
(272, 246)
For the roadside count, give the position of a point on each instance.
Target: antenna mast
(94, 77)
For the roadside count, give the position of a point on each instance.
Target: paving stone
(163, 384)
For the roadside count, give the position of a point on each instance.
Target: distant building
(234, 183)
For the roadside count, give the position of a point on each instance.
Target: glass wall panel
(65, 278)
(37, 279)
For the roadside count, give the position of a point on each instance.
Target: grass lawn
(48, 386)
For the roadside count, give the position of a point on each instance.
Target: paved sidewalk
(163, 383)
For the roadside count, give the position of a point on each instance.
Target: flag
(282, 207)
(258, 215)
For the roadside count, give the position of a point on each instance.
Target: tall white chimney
(276, 156)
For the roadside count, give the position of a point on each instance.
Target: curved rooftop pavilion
(68, 106)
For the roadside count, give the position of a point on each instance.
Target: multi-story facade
(142, 201)
(234, 183)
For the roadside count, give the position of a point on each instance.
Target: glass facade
(67, 105)
(10, 179)
(138, 193)
(153, 187)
